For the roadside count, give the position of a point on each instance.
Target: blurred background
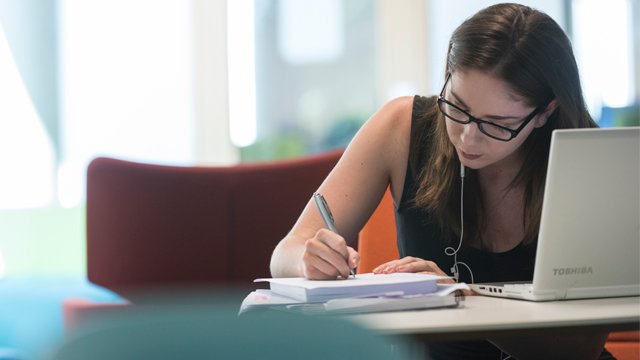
(215, 82)
(201, 82)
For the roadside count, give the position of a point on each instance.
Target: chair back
(158, 226)
(377, 242)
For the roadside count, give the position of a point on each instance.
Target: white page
(361, 285)
(358, 280)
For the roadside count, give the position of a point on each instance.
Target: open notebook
(589, 240)
(362, 293)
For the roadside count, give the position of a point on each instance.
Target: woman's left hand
(415, 265)
(410, 264)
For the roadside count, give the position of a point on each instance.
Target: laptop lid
(589, 240)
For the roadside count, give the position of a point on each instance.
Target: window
(26, 150)
(126, 88)
(603, 44)
(314, 75)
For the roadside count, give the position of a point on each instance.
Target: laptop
(589, 239)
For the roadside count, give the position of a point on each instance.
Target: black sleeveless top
(419, 235)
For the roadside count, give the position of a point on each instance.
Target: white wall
(403, 57)
(213, 144)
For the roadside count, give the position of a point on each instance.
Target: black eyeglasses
(488, 128)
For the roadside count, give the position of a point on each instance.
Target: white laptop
(589, 239)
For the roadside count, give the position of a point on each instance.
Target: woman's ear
(542, 118)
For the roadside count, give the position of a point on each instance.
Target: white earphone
(450, 251)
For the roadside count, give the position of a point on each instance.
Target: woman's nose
(470, 133)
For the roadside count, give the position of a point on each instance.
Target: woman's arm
(376, 156)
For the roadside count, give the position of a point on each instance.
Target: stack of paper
(360, 294)
(447, 295)
(359, 286)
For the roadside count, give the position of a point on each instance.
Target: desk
(481, 317)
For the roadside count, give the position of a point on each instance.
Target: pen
(323, 207)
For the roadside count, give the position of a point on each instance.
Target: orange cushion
(633, 335)
(624, 345)
(624, 350)
(377, 239)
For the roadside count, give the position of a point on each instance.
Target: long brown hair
(529, 51)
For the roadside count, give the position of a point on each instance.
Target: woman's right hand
(327, 256)
(375, 159)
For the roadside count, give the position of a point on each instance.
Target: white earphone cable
(450, 251)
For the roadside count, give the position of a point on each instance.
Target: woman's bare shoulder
(398, 108)
(392, 125)
(393, 120)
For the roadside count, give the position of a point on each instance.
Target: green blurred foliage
(46, 241)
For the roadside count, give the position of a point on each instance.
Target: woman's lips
(469, 156)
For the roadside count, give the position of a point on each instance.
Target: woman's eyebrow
(493, 117)
(458, 99)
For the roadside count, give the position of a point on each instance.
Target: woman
(511, 78)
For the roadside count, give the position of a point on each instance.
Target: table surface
(480, 316)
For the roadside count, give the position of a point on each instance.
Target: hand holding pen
(327, 217)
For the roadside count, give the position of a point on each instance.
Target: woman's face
(487, 98)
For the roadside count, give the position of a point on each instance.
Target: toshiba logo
(573, 271)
